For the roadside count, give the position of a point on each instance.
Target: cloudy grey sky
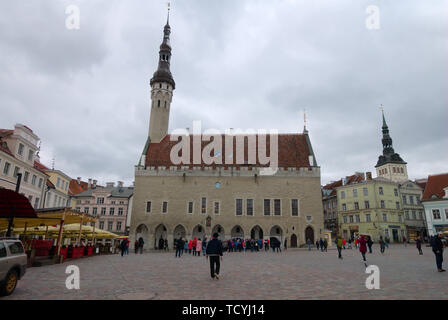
(236, 63)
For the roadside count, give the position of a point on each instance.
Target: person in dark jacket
(369, 243)
(179, 247)
(317, 244)
(321, 244)
(214, 250)
(123, 246)
(140, 244)
(437, 248)
(418, 244)
(136, 246)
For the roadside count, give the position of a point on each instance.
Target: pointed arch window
(158, 103)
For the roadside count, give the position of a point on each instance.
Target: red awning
(10, 199)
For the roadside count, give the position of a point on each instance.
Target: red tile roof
(40, 166)
(74, 188)
(435, 186)
(293, 151)
(356, 178)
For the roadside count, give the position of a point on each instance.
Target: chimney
(90, 184)
(446, 193)
(94, 184)
(110, 184)
(78, 180)
(369, 175)
(120, 184)
(344, 181)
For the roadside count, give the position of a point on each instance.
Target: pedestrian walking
(317, 244)
(386, 242)
(214, 251)
(382, 244)
(136, 246)
(286, 244)
(204, 246)
(123, 247)
(369, 243)
(141, 243)
(344, 243)
(363, 249)
(404, 241)
(350, 243)
(418, 244)
(325, 245)
(321, 245)
(339, 245)
(437, 248)
(308, 242)
(199, 247)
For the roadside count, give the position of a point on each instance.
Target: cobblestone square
(294, 274)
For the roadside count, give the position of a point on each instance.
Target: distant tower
(162, 86)
(390, 165)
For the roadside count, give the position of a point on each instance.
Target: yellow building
(371, 207)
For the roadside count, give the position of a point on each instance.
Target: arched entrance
(276, 232)
(160, 234)
(237, 232)
(220, 230)
(256, 233)
(293, 241)
(179, 232)
(142, 232)
(309, 234)
(198, 232)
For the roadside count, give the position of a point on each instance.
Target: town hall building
(233, 195)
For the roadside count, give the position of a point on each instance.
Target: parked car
(13, 262)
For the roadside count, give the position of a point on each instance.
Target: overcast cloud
(236, 63)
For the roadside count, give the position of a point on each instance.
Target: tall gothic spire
(163, 73)
(389, 155)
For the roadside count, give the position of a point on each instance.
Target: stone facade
(195, 198)
(225, 187)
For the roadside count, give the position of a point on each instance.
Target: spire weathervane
(168, 18)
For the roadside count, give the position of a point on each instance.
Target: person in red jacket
(190, 246)
(363, 248)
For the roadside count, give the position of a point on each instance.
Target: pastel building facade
(18, 154)
(109, 204)
(435, 202)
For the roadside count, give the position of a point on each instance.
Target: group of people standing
(195, 246)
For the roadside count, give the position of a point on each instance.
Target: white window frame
(192, 207)
(219, 207)
(298, 211)
(253, 207)
(281, 209)
(146, 206)
(206, 202)
(264, 207)
(242, 207)
(161, 207)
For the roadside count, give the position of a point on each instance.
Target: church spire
(162, 86)
(163, 72)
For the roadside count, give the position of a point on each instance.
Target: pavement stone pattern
(291, 275)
